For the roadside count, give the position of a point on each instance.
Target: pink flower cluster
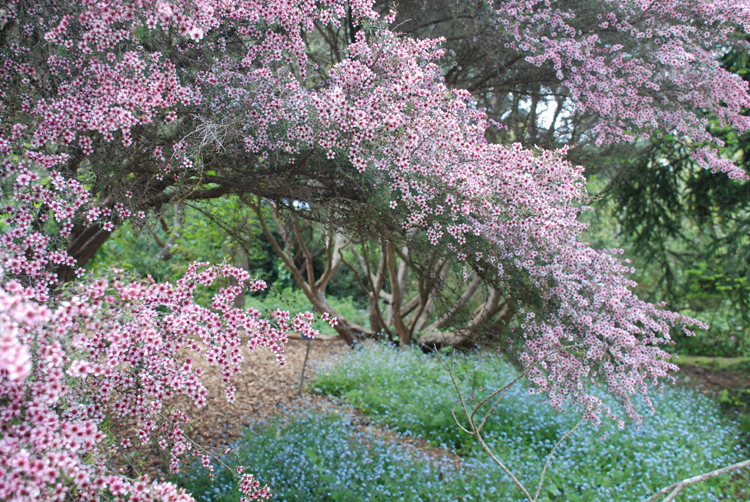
(387, 110)
(106, 348)
(15, 357)
(118, 349)
(597, 49)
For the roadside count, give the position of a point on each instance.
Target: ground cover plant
(413, 394)
(324, 456)
(329, 457)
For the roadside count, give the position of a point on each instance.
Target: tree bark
(483, 315)
(404, 336)
(429, 307)
(84, 243)
(240, 261)
(461, 303)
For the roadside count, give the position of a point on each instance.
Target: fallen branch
(676, 488)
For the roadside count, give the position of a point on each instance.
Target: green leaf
(328, 478)
(312, 455)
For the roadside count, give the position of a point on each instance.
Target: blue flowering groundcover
(324, 456)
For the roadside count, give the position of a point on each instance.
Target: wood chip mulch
(264, 389)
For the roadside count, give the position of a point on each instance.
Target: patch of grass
(413, 393)
(715, 363)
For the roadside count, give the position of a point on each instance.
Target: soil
(710, 381)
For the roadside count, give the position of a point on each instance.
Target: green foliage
(200, 239)
(217, 231)
(294, 300)
(738, 401)
(203, 234)
(687, 232)
(686, 229)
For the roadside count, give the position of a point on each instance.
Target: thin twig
(507, 387)
(476, 431)
(478, 436)
(551, 454)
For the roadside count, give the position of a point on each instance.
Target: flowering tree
(577, 62)
(111, 110)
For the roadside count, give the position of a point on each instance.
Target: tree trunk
(404, 336)
(239, 262)
(84, 243)
(314, 289)
(465, 336)
(444, 339)
(348, 330)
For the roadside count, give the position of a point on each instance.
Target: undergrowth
(413, 393)
(330, 457)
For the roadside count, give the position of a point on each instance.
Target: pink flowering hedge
(91, 92)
